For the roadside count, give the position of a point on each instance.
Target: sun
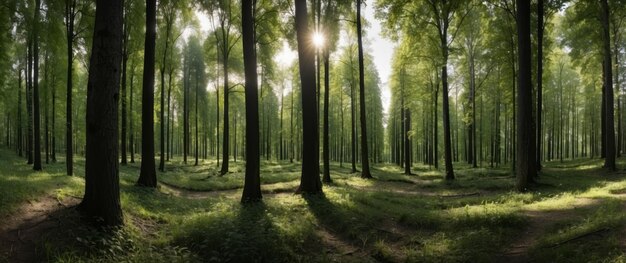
(318, 39)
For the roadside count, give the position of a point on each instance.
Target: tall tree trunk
(131, 139)
(170, 125)
(353, 121)
(365, 166)
(19, 113)
(147, 176)
(125, 39)
(36, 111)
(291, 142)
(102, 194)
(540, 29)
(225, 140)
(197, 138)
(252, 183)
(29, 103)
(609, 161)
(70, 16)
(326, 177)
(407, 142)
(524, 94)
(310, 178)
(186, 73)
(162, 112)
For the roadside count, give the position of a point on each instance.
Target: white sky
(380, 48)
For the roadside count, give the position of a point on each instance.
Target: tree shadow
(240, 233)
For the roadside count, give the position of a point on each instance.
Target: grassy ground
(575, 214)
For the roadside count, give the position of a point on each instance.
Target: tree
(365, 166)
(36, 114)
(71, 17)
(102, 197)
(524, 93)
(252, 184)
(147, 176)
(309, 179)
(222, 11)
(609, 162)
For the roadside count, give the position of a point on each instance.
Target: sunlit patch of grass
(595, 238)
(19, 183)
(396, 217)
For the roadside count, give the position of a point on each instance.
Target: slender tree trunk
(407, 142)
(131, 139)
(102, 195)
(170, 125)
(36, 111)
(29, 103)
(291, 142)
(326, 178)
(225, 141)
(197, 138)
(162, 112)
(70, 15)
(147, 176)
(540, 27)
(19, 113)
(524, 93)
(365, 166)
(123, 146)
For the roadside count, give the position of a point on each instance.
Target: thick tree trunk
(310, 178)
(102, 196)
(147, 176)
(609, 161)
(252, 183)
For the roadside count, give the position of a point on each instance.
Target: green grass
(415, 218)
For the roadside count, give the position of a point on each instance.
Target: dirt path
(539, 223)
(20, 232)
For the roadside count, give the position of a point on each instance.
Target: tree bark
(70, 16)
(326, 148)
(36, 111)
(147, 176)
(252, 183)
(609, 161)
(310, 180)
(540, 29)
(524, 93)
(101, 198)
(365, 166)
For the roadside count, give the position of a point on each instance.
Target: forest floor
(574, 214)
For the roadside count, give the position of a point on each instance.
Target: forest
(312, 131)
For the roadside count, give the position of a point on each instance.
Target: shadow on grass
(237, 233)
